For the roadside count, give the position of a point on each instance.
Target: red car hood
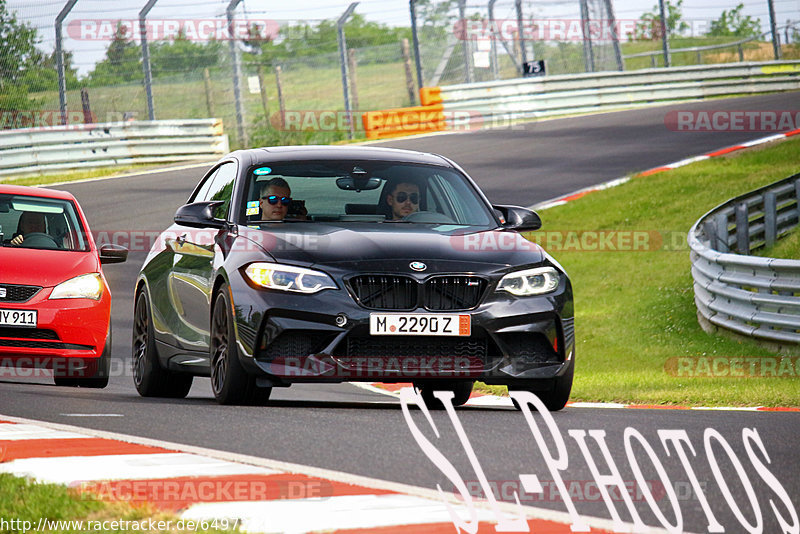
(44, 267)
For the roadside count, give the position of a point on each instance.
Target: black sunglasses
(273, 199)
(402, 196)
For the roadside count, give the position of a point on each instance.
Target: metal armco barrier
(36, 150)
(556, 95)
(753, 296)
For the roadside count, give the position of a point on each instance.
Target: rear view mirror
(358, 183)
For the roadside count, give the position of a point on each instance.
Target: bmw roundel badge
(417, 266)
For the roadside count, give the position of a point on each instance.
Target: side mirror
(199, 215)
(519, 219)
(110, 253)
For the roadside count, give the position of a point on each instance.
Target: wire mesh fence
(291, 80)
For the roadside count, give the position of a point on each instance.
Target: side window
(201, 193)
(221, 188)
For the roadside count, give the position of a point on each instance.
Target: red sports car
(55, 304)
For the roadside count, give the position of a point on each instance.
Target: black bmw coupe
(333, 264)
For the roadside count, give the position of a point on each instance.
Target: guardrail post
(721, 221)
(710, 231)
(770, 218)
(742, 229)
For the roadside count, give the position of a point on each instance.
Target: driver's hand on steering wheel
(17, 240)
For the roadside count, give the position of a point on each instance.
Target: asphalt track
(344, 428)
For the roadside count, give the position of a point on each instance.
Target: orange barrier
(403, 121)
(430, 95)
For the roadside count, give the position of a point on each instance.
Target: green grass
(23, 500)
(75, 176)
(787, 247)
(635, 309)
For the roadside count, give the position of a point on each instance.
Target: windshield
(40, 223)
(362, 191)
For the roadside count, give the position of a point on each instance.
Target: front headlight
(530, 282)
(85, 286)
(288, 278)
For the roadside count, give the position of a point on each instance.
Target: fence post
(776, 36)
(343, 63)
(797, 198)
(264, 97)
(741, 53)
(588, 53)
(237, 76)
(521, 36)
(415, 39)
(493, 42)
(87, 109)
(664, 32)
(613, 23)
(148, 77)
(62, 80)
(209, 96)
(409, 77)
(465, 42)
(742, 229)
(351, 61)
(770, 218)
(279, 85)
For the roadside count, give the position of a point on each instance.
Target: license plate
(26, 318)
(419, 324)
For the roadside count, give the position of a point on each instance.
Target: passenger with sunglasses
(403, 200)
(275, 199)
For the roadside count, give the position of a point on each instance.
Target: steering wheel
(39, 240)
(431, 217)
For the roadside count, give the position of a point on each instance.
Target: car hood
(394, 246)
(44, 268)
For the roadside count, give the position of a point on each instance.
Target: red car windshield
(40, 223)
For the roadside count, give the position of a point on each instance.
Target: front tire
(101, 368)
(150, 379)
(556, 398)
(229, 381)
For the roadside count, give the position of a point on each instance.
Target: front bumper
(289, 338)
(69, 337)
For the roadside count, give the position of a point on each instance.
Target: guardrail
(577, 93)
(750, 295)
(36, 150)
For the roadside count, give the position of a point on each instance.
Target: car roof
(321, 152)
(6, 189)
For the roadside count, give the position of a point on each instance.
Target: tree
(649, 24)
(733, 24)
(122, 62)
(180, 55)
(18, 56)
